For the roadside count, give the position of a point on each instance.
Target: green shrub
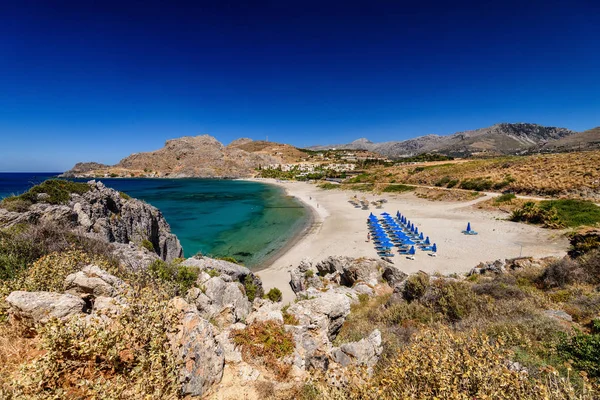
(182, 277)
(274, 295)
(505, 198)
(148, 245)
(573, 213)
(250, 288)
(124, 196)
(452, 183)
(213, 272)
(398, 188)
(52, 191)
(228, 259)
(329, 186)
(478, 184)
(443, 181)
(309, 274)
(415, 286)
(288, 319)
(584, 350)
(534, 214)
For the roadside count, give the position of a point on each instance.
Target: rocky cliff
(197, 156)
(96, 211)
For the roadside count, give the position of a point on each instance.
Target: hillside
(573, 175)
(198, 156)
(499, 139)
(586, 140)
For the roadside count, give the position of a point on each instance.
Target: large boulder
(200, 353)
(234, 271)
(135, 257)
(305, 276)
(222, 300)
(40, 307)
(353, 270)
(365, 352)
(94, 281)
(326, 312)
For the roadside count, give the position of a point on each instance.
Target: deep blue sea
(249, 221)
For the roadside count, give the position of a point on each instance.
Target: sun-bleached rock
(43, 306)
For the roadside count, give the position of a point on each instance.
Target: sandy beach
(340, 229)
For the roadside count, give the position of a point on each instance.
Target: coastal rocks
(226, 269)
(40, 307)
(266, 310)
(94, 281)
(352, 270)
(136, 258)
(105, 213)
(224, 301)
(305, 276)
(200, 353)
(392, 275)
(365, 352)
(326, 312)
(39, 213)
(509, 264)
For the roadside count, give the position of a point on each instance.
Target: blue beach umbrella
(434, 248)
(384, 213)
(412, 250)
(468, 227)
(421, 237)
(409, 242)
(427, 242)
(416, 230)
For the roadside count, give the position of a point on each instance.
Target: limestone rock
(234, 271)
(393, 275)
(196, 346)
(43, 306)
(266, 310)
(558, 314)
(353, 270)
(94, 281)
(327, 312)
(304, 276)
(219, 299)
(365, 352)
(136, 258)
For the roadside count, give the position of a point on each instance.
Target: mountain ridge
(501, 138)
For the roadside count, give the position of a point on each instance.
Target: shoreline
(339, 229)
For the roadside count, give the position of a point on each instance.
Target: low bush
(452, 183)
(52, 191)
(267, 342)
(532, 213)
(443, 181)
(228, 259)
(561, 273)
(250, 288)
(148, 245)
(573, 213)
(274, 295)
(415, 287)
(478, 184)
(505, 198)
(584, 350)
(180, 276)
(329, 186)
(398, 188)
(288, 319)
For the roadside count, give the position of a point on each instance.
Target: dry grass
(446, 195)
(566, 174)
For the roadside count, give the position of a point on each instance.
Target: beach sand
(340, 229)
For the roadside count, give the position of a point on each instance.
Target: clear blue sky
(97, 80)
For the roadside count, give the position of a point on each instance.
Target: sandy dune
(340, 229)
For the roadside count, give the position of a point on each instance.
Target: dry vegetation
(446, 195)
(487, 336)
(567, 174)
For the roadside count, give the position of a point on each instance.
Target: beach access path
(340, 229)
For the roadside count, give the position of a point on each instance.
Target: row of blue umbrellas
(400, 232)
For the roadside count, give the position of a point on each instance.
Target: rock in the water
(195, 345)
(43, 306)
(94, 281)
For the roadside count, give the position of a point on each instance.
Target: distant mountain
(195, 156)
(586, 140)
(501, 138)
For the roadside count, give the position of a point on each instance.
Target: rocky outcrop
(198, 350)
(509, 264)
(221, 300)
(94, 281)
(305, 276)
(104, 214)
(365, 352)
(134, 257)
(352, 270)
(40, 307)
(196, 156)
(226, 270)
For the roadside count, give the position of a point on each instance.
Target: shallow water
(249, 221)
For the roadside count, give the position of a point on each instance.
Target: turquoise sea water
(249, 221)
